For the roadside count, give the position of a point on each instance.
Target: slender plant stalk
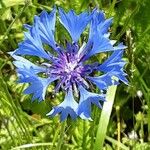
(84, 135)
(15, 111)
(148, 116)
(62, 133)
(118, 126)
(55, 138)
(127, 22)
(8, 130)
(148, 123)
(37, 146)
(92, 128)
(104, 118)
(29, 146)
(10, 26)
(12, 122)
(111, 9)
(11, 108)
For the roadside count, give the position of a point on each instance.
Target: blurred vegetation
(24, 123)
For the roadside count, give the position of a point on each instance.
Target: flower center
(70, 67)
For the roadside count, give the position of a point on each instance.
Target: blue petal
(115, 60)
(98, 36)
(75, 24)
(32, 45)
(102, 82)
(103, 27)
(38, 87)
(86, 99)
(26, 75)
(98, 16)
(100, 44)
(114, 65)
(99, 23)
(46, 24)
(47, 27)
(120, 74)
(67, 107)
(22, 63)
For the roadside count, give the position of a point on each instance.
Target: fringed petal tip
(75, 24)
(64, 113)
(86, 100)
(67, 108)
(38, 86)
(84, 117)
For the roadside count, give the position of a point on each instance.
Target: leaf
(104, 118)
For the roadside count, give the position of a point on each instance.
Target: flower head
(69, 65)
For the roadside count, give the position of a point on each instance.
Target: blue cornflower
(69, 65)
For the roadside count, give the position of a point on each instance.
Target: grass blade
(104, 118)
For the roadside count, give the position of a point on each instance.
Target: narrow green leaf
(31, 145)
(104, 118)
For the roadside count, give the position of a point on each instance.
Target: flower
(69, 65)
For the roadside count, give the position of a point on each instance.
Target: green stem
(149, 125)
(10, 134)
(92, 128)
(118, 126)
(84, 136)
(62, 133)
(55, 138)
(126, 24)
(12, 122)
(148, 115)
(104, 118)
(111, 10)
(16, 111)
(10, 26)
